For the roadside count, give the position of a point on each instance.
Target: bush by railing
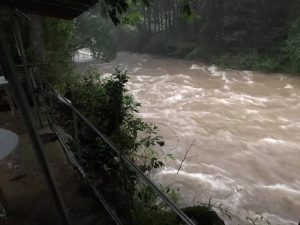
(110, 168)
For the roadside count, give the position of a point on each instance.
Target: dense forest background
(239, 34)
(244, 34)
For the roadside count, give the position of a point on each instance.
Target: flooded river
(242, 128)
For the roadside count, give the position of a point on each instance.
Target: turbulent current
(242, 130)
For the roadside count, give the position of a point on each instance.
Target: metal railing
(52, 100)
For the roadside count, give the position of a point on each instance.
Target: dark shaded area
(48, 137)
(203, 215)
(53, 8)
(4, 105)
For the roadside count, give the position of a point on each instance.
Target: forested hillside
(246, 34)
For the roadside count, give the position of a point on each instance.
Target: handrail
(128, 162)
(100, 197)
(71, 158)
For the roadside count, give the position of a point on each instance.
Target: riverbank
(239, 61)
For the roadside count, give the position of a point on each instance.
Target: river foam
(245, 126)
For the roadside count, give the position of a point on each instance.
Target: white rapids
(245, 127)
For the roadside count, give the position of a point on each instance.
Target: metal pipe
(75, 122)
(33, 65)
(9, 69)
(28, 77)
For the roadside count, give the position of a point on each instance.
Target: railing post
(75, 123)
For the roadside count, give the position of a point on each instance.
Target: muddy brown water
(244, 127)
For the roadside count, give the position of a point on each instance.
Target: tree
(94, 32)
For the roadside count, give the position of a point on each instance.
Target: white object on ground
(8, 142)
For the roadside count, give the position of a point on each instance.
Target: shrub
(59, 36)
(181, 48)
(292, 47)
(268, 64)
(126, 39)
(106, 103)
(197, 53)
(244, 61)
(157, 44)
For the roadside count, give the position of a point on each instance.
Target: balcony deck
(26, 191)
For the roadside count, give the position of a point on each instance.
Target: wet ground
(25, 189)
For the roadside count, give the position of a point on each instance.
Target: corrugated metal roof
(64, 9)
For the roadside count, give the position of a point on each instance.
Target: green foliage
(132, 19)
(126, 39)
(292, 47)
(106, 103)
(154, 212)
(268, 64)
(150, 210)
(179, 48)
(116, 9)
(94, 32)
(161, 43)
(250, 61)
(197, 53)
(97, 33)
(59, 36)
(157, 43)
(241, 61)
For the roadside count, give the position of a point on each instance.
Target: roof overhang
(64, 9)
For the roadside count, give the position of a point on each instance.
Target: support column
(9, 70)
(28, 76)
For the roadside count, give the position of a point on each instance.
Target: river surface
(242, 129)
